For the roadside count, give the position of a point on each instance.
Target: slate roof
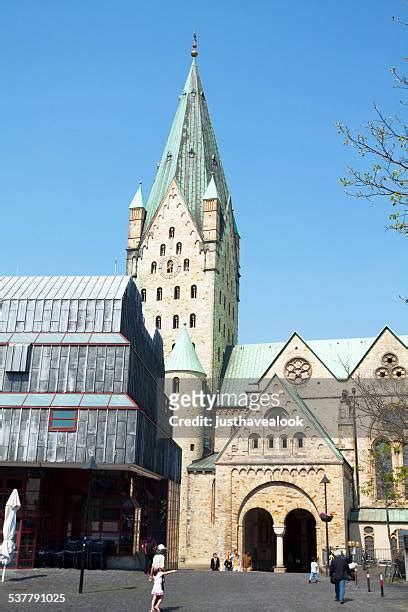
(250, 361)
(183, 357)
(378, 515)
(191, 154)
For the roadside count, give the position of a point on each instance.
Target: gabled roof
(340, 356)
(190, 155)
(183, 357)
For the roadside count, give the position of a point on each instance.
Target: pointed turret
(191, 153)
(183, 357)
(137, 214)
(211, 214)
(137, 201)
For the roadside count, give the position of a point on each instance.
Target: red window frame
(63, 409)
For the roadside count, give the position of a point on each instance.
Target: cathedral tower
(183, 246)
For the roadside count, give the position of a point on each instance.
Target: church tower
(183, 245)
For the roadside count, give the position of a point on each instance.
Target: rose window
(382, 373)
(389, 359)
(298, 370)
(398, 372)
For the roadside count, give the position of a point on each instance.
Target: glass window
(171, 232)
(162, 249)
(175, 322)
(192, 320)
(170, 267)
(177, 293)
(178, 248)
(186, 265)
(143, 295)
(176, 384)
(63, 420)
(193, 291)
(158, 322)
(159, 293)
(153, 267)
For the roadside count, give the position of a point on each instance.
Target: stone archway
(279, 499)
(299, 543)
(259, 539)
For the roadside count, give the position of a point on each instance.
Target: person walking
(215, 563)
(339, 571)
(158, 587)
(314, 571)
(247, 562)
(228, 563)
(148, 546)
(158, 559)
(236, 561)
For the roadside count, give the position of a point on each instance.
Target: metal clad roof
(183, 357)
(206, 464)
(65, 400)
(378, 515)
(250, 361)
(190, 155)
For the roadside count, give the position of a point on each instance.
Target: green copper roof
(207, 464)
(378, 515)
(211, 192)
(191, 153)
(137, 201)
(250, 361)
(183, 357)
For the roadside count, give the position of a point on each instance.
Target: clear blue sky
(89, 90)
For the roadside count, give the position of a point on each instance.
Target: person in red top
(149, 545)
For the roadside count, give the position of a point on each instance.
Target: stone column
(279, 532)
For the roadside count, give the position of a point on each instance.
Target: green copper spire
(211, 192)
(137, 201)
(191, 153)
(183, 357)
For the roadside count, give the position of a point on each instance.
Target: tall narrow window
(175, 322)
(159, 294)
(143, 295)
(229, 308)
(177, 292)
(254, 441)
(225, 301)
(193, 291)
(220, 297)
(162, 249)
(171, 232)
(219, 353)
(192, 320)
(219, 325)
(176, 384)
(153, 267)
(383, 469)
(178, 248)
(223, 330)
(158, 322)
(270, 442)
(186, 265)
(233, 313)
(284, 442)
(170, 266)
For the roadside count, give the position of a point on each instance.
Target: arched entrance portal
(299, 544)
(260, 539)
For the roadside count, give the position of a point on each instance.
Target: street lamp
(326, 518)
(90, 466)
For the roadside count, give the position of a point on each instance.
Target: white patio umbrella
(9, 529)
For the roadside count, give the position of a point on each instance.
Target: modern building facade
(245, 485)
(81, 379)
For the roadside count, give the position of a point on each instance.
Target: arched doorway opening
(299, 544)
(260, 539)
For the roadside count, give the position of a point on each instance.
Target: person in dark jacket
(339, 571)
(215, 563)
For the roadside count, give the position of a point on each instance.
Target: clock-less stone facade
(283, 419)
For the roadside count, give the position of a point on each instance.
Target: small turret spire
(194, 51)
(137, 201)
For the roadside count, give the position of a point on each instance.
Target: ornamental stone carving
(298, 370)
